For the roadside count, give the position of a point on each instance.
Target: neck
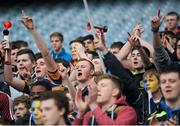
(173, 104)
(61, 121)
(142, 70)
(108, 104)
(157, 95)
(59, 50)
(173, 29)
(83, 84)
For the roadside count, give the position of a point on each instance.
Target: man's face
(14, 56)
(37, 90)
(171, 22)
(152, 83)
(98, 65)
(178, 50)
(136, 60)
(74, 51)
(20, 110)
(105, 91)
(40, 69)
(56, 43)
(36, 112)
(24, 63)
(115, 50)
(170, 86)
(51, 115)
(89, 45)
(83, 71)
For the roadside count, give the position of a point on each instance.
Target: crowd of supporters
(129, 83)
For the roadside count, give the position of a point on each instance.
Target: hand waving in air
(27, 21)
(157, 21)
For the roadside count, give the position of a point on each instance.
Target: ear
(92, 72)
(33, 64)
(61, 111)
(115, 92)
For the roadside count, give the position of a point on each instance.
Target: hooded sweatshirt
(122, 114)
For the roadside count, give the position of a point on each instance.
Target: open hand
(99, 42)
(80, 104)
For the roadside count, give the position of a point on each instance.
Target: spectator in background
(172, 20)
(91, 54)
(36, 115)
(14, 51)
(151, 85)
(74, 44)
(39, 88)
(161, 56)
(116, 46)
(88, 42)
(16, 46)
(58, 51)
(21, 107)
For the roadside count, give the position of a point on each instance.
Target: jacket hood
(121, 101)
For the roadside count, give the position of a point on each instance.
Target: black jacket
(130, 86)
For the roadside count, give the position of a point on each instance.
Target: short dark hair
(44, 83)
(22, 99)
(173, 13)
(61, 101)
(57, 34)
(116, 81)
(118, 45)
(93, 53)
(170, 68)
(88, 37)
(27, 51)
(64, 62)
(78, 40)
(38, 56)
(137, 47)
(20, 43)
(14, 45)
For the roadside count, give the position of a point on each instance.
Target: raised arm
(116, 68)
(8, 74)
(161, 56)
(50, 63)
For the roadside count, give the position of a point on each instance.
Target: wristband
(155, 30)
(7, 62)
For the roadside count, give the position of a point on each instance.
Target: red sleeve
(77, 121)
(126, 116)
(6, 107)
(83, 121)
